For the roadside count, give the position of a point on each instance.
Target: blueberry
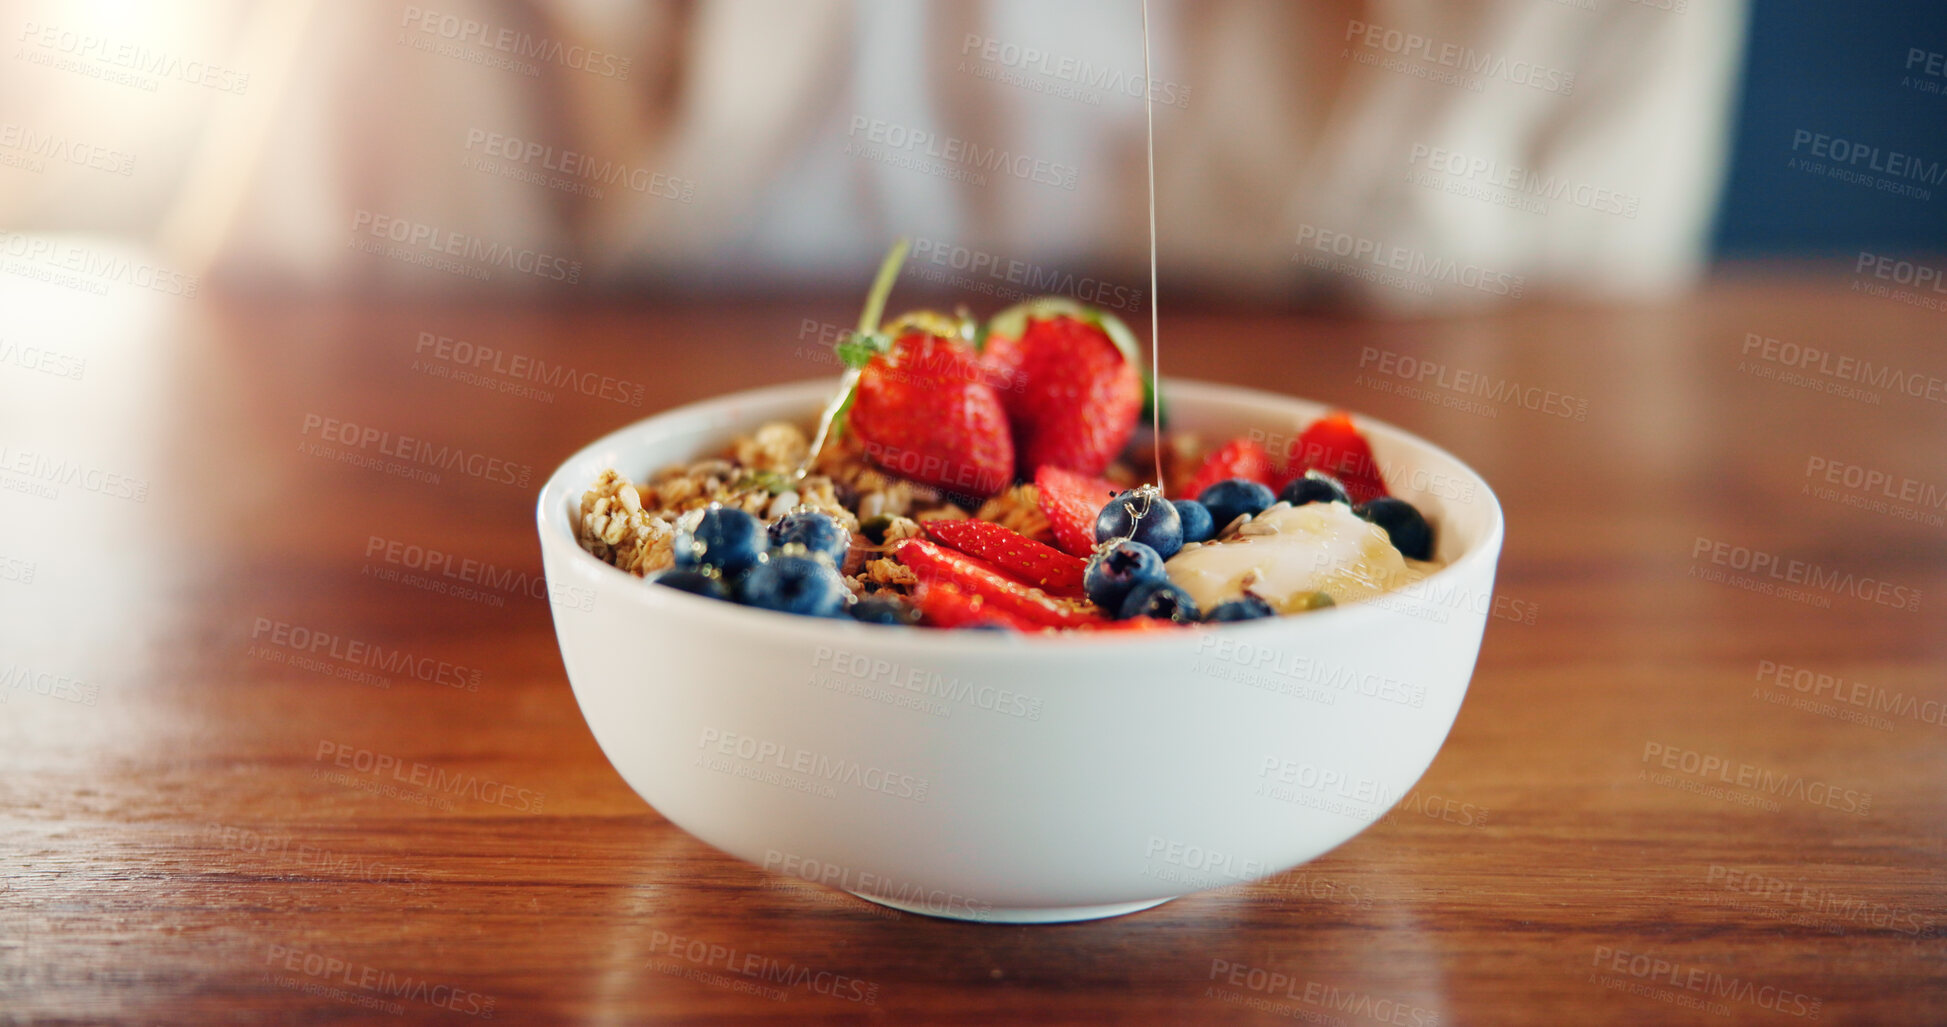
(1144, 517)
(725, 538)
(1161, 599)
(885, 610)
(1249, 607)
(817, 532)
(1197, 525)
(1114, 570)
(687, 579)
(1314, 487)
(794, 584)
(1410, 533)
(1232, 498)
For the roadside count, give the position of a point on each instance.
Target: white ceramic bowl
(992, 776)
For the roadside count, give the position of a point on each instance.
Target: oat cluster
(633, 526)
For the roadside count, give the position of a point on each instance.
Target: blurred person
(1412, 155)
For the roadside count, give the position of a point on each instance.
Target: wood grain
(175, 848)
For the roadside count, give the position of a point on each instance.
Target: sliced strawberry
(924, 411)
(1035, 563)
(979, 578)
(1334, 445)
(1138, 624)
(942, 605)
(1238, 458)
(1070, 501)
(1072, 395)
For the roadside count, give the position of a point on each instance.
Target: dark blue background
(1835, 67)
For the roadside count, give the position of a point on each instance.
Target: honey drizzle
(1155, 322)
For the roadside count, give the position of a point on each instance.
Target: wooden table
(1597, 843)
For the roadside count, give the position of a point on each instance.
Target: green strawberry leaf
(1014, 320)
(856, 349)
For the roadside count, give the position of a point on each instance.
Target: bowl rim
(559, 530)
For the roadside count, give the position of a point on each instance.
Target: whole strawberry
(923, 410)
(1072, 394)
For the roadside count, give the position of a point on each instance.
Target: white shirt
(1407, 154)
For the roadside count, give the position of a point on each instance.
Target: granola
(634, 526)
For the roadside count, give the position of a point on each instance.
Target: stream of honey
(1155, 323)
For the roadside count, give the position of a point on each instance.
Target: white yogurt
(1287, 552)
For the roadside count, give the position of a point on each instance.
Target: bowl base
(1050, 915)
